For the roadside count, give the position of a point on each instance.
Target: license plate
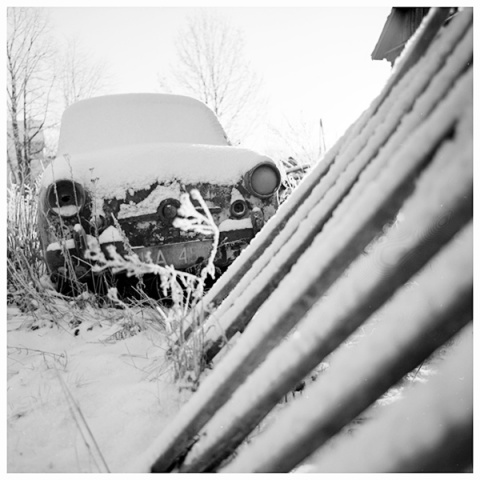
(180, 255)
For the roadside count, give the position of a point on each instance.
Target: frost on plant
(185, 289)
(192, 220)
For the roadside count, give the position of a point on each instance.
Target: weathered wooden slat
(386, 445)
(368, 216)
(258, 283)
(429, 429)
(417, 239)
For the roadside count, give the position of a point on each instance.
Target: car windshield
(121, 120)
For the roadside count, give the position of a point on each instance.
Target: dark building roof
(399, 27)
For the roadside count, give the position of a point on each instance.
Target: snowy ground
(84, 399)
(74, 392)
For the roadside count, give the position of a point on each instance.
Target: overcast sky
(315, 61)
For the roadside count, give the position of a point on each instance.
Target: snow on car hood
(111, 173)
(122, 120)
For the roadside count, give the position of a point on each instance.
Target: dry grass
(293, 174)
(25, 265)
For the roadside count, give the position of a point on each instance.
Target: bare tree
(211, 67)
(80, 76)
(29, 84)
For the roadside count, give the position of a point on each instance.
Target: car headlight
(263, 180)
(65, 198)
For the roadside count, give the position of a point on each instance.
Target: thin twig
(80, 420)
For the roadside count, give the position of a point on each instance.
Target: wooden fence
(368, 266)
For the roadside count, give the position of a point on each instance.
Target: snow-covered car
(123, 162)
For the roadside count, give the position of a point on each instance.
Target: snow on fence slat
(247, 259)
(353, 225)
(258, 283)
(354, 299)
(421, 443)
(357, 377)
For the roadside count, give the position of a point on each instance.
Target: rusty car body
(122, 164)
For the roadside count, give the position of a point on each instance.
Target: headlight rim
(248, 179)
(238, 214)
(77, 191)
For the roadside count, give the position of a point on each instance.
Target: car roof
(128, 119)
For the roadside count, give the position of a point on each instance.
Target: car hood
(112, 173)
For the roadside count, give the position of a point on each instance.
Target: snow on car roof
(127, 119)
(112, 172)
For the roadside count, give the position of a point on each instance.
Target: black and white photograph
(239, 238)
